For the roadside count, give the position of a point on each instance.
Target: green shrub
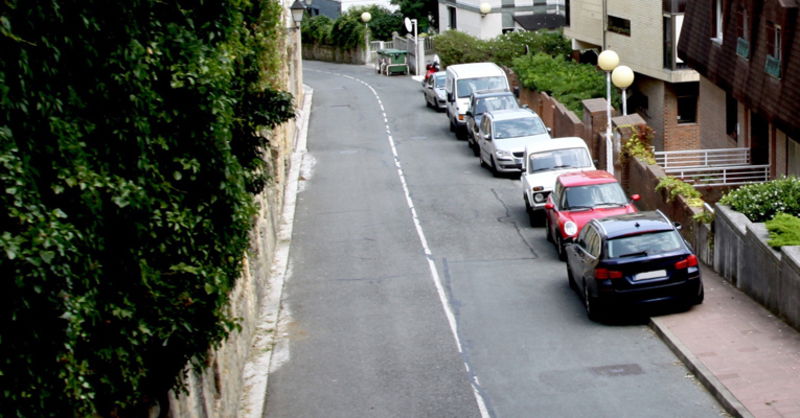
(455, 47)
(568, 81)
(129, 161)
(508, 46)
(677, 187)
(638, 146)
(784, 230)
(761, 202)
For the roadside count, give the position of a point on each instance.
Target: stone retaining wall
(742, 256)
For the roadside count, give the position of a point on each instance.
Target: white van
(546, 160)
(462, 81)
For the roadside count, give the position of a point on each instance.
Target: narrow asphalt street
(417, 287)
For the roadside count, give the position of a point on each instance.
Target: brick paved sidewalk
(744, 355)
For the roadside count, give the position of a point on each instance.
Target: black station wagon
(634, 259)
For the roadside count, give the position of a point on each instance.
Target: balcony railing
(703, 157)
(722, 176)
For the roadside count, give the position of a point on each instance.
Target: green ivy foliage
(677, 187)
(784, 230)
(129, 166)
(568, 81)
(760, 202)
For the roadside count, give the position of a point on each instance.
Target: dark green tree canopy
(128, 164)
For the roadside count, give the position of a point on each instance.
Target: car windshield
(560, 158)
(468, 86)
(644, 244)
(438, 81)
(595, 195)
(513, 128)
(487, 104)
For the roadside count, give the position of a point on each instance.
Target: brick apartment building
(748, 56)
(645, 35)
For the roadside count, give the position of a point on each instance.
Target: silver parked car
(504, 136)
(433, 89)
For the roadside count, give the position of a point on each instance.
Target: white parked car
(504, 135)
(546, 160)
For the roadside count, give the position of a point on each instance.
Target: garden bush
(762, 201)
(784, 230)
(568, 81)
(129, 161)
(454, 47)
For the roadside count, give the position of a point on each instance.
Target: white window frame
(718, 20)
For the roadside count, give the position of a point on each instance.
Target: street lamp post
(298, 9)
(622, 77)
(409, 23)
(607, 61)
(366, 17)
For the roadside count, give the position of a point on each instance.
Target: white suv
(504, 135)
(546, 160)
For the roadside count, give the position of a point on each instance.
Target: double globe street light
(622, 76)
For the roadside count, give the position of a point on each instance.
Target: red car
(579, 197)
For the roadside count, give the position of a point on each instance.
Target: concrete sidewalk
(744, 355)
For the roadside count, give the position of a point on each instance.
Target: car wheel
(493, 167)
(547, 232)
(571, 279)
(590, 304)
(452, 126)
(699, 298)
(483, 163)
(476, 149)
(562, 255)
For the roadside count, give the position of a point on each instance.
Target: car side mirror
(635, 198)
(449, 96)
(549, 206)
(469, 113)
(549, 131)
(516, 92)
(487, 137)
(596, 162)
(677, 225)
(525, 106)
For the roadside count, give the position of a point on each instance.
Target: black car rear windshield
(650, 243)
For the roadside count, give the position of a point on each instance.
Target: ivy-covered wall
(131, 154)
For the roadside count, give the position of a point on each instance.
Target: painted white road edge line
(451, 319)
(259, 364)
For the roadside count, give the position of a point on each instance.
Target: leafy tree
(129, 161)
(317, 30)
(420, 10)
(383, 22)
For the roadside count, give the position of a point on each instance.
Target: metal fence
(721, 175)
(703, 157)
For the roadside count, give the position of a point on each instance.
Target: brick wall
(683, 136)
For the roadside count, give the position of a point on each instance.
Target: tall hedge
(128, 166)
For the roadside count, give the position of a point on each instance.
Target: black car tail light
(604, 274)
(690, 261)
